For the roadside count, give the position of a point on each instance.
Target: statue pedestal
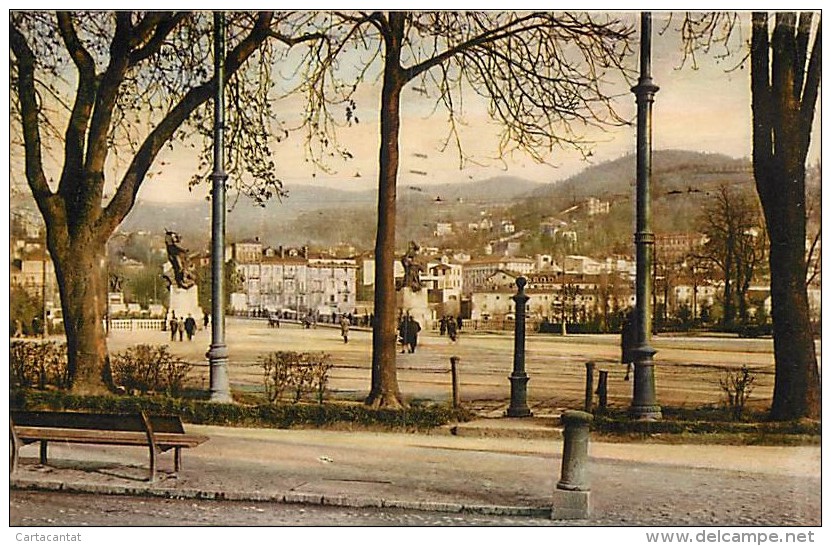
(415, 303)
(184, 301)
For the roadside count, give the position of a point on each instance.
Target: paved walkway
(489, 466)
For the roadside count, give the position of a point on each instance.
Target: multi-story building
(477, 271)
(287, 280)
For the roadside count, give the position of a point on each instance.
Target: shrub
(298, 373)
(33, 363)
(737, 386)
(417, 417)
(148, 368)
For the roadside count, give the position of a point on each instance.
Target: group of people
(408, 329)
(182, 327)
(450, 325)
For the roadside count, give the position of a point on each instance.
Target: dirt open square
(688, 368)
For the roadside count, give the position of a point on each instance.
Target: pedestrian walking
(206, 319)
(413, 328)
(344, 328)
(190, 326)
(452, 332)
(443, 325)
(403, 335)
(174, 327)
(180, 327)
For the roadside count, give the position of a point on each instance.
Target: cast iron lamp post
(644, 402)
(518, 378)
(218, 353)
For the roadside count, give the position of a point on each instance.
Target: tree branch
(125, 195)
(29, 119)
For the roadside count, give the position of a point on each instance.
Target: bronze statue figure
(115, 283)
(412, 269)
(183, 272)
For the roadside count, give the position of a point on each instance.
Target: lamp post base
(220, 385)
(519, 405)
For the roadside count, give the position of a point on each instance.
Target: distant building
(673, 248)
(595, 206)
(443, 229)
(477, 271)
(287, 279)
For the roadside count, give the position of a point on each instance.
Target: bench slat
(111, 437)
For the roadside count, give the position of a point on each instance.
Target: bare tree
(109, 90)
(785, 59)
(545, 77)
(735, 246)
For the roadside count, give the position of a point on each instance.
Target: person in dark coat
(413, 328)
(628, 341)
(190, 326)
(344, 328)
(443, 325)
(452, 332)
(174, 327)
(403, 332)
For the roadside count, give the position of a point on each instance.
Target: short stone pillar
(454, 375)
(602, 390)
(588, 402)
(572, 495)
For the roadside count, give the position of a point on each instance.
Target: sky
(705, 110)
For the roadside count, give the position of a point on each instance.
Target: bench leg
(15, 447)
(43, 457)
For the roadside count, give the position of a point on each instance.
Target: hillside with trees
(682, 184)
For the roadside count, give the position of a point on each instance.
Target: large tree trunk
(384, 387)
(796, 390)
(781, 135)
(80, 269)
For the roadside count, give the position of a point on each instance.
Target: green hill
(682, 183)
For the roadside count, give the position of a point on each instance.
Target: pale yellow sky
(702, 110)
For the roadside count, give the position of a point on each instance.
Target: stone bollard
(572, 495)
(454, 374)
(588, 403)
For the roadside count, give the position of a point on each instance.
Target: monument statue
(183, 272)
(412, 269)
(115, 283)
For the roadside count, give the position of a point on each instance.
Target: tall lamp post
(644, 402)
(218, 353)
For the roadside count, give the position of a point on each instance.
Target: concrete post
(518, 378)
(454, 373)
(588, 403)
(572, 495)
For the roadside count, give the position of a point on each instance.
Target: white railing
(137, 324)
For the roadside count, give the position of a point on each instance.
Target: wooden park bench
(159, 433)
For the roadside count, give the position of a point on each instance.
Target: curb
(283, 498)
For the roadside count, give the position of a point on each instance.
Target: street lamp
(218, 353)
(644, 401)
